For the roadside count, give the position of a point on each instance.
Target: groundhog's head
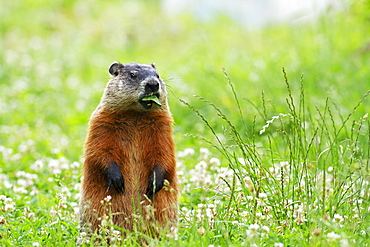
(136, 87)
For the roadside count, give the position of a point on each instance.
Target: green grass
(265, 156)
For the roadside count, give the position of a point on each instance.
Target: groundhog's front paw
(115, 178)
(156, 181)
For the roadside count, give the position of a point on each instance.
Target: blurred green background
(55, 55)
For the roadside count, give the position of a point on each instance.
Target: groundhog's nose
(152, 87)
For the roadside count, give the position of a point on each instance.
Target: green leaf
(152, 98)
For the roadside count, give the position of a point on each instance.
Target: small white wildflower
(204, 152)
(22, 182)
(186, 152)
(38, 165)
(20, 174)
(254, 227)
(253, 230)
(330, 169)
(337, 218)
(75, 165)
(265, 228)
(209, 213)
(9, 207)
(36, 244)
(173, 233)
(31, 215)
(332, 236)
(53, 212)
(344, 243)
(262, 195)
(214, 161)
(7, 184)
(189, 152)
(54, 166)
(259, 215)
(278, 245)
(201, 166)
(284, 164)
(20, 190)
(64, 166)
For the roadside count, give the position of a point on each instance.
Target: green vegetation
(266, 156)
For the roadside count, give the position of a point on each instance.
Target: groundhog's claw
(156, 181)
(115, 178)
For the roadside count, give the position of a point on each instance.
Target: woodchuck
(129, 169)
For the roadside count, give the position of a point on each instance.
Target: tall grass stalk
(310, 166)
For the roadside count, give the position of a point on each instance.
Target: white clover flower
(53, 212)
(215, 161)
(253, 230)
(9, 207)
(201, 166)
(64, 166)
(209, 213)
(344, 243)
(254, 227)
(330, 169)
(265, 228)
(108, 198)
(284, 164)
(38, 165)
(259, 215)
(31, 215)
(186, 152)
(36, 244)
(262, 195)
(337, 218)
(75, 165)
(204, 152)
(278, 245)
(332, 236)
(54, 166)
(20, 190)
(20, 174)
(22, 182)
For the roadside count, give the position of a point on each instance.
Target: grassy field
(272, 151)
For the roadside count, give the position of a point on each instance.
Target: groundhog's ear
(153, 65)
(114, 68)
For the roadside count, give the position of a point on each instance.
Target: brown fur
(137, 139)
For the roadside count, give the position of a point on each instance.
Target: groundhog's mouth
(147, 101)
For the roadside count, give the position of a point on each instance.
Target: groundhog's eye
(133, 74)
